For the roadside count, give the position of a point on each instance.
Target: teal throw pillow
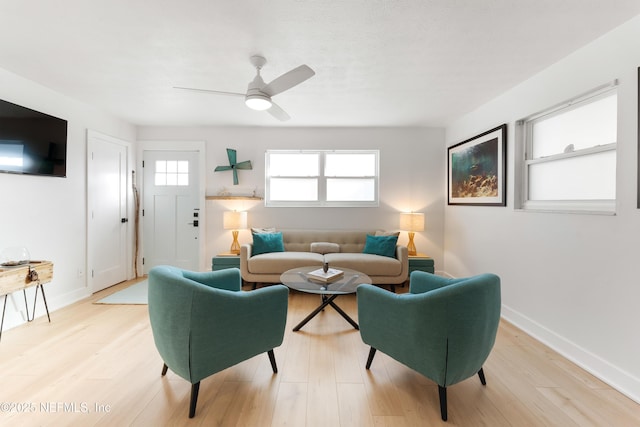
(381, 245)
(267, 242)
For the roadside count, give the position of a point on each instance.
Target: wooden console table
(12, 279)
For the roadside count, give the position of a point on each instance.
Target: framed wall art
(476, 170)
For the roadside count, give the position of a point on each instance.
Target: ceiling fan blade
(223, 168)
(278, 112)
(216, 92)
(288, 80)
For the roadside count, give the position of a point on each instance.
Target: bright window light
(171, 173)
(322, 178)
(344, 190)
(294, 164)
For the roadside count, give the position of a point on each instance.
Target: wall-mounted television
(32, 142)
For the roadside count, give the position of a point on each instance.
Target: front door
(171, 213)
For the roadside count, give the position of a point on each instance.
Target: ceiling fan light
(258, 102)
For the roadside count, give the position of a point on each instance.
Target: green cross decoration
(233, 165)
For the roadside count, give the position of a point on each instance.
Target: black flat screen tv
(32, 142)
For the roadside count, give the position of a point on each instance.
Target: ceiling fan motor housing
(255, 98)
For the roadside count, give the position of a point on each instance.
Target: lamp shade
(234, 220)
(412, 221)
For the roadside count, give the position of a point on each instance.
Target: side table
(225, 260)
(421, 262)
(21, 277)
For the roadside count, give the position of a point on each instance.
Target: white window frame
(524, 148)
(322, 181)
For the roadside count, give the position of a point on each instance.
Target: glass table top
(298, 279)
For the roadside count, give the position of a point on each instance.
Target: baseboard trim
(617, 378)
(60, 301)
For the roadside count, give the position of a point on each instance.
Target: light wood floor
(97, 365)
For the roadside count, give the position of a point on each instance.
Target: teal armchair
(203, 323)
(443, 328)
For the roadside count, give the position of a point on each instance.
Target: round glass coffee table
(299, 280)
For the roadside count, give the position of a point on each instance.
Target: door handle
(123, 220)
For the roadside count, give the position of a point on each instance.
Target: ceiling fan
(259, 94)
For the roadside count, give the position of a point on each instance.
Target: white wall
(570, 280)
(411, 169)
(48, 215)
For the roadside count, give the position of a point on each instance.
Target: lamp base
(235, 246)
(411, 247)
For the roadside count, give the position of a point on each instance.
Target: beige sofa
(267, 267)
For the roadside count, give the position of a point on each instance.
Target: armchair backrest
(469, 310)
(170, 299)
(172, 292)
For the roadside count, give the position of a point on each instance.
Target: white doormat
(134, 294)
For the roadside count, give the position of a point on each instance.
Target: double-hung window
(321, 178)
(568, 160)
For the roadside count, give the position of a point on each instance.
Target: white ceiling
(377, 62)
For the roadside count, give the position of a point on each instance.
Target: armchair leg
(442, 391)
(372, 352)
(272, 359)
(164, 369)
(194, 399)
(481, 375)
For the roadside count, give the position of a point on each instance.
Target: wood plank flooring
(97, 365)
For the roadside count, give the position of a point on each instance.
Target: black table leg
(314, 313)
(44, 298)
(325, 302)
(35, 299)
(4, 307)
(343, 314)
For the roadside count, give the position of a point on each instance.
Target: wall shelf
(233, 198)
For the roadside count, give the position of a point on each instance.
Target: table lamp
(234, 221)
(411, 222)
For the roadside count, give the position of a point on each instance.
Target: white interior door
(107, 210)
(171, 209)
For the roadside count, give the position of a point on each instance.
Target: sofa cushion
(387, 233)
(279, 262)
(256, 230)
(349, 241)
(381, 245)
(372, 265)
(266, 243)
(325, 247)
